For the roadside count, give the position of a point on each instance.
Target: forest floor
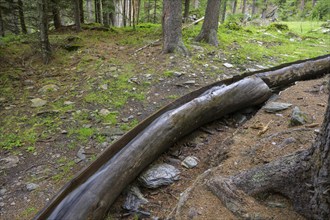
(91, 96)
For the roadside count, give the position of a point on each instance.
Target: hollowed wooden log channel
(92, 191)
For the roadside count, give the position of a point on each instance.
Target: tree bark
(2, 29)
(294, 176)
(234, 6)
(224, 9)
(43, 26)
(155, 11)
(264, 9)
(89, 10)
(138, 12)
(148, 11)
(81, 11)
(93, 198)
(196, 4)
(21, 16)
(124, 13)
(209, 29)
(105, 11)
(97, 4)
(77, 18)
(56, 14)
(244, 7)
(302, 5)
(254, 7)
(172, 24)
(186, 10)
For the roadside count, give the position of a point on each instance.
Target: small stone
(273, 107)
(87, 125)
(31, 186)
(37, 102)
(104, 112)
(189, 82)
(112, 68)
(68, 103)
(2, 204)
(298, 117)
(13, 203)
(159, 175)
(104, 86)
(49, 88)
(276, 205)
(2, 192)
(134, 199)
(228, 65)
(124, 120)
(28, 82)
(81, 154)
(177, 74)
(190, 162)
(8, 162)
(261, 67)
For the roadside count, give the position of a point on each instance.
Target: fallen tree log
(64, 202)
(92, 198)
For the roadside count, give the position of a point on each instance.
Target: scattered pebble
(37, 102)
(190, 162)
(31, 186)
(228, 65)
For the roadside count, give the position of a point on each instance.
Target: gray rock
(239, 118)
(298, 117)
(134, 199)
(104, 112)
(28, 82)
(228, 65)
(287, 141)
(68, 103)
(31, 186)
(261, 67)
(189, 82)
(177, 74)
(3, 192)
(2, 204)
(272, 107)
(37, 102)
(8, 162)
(159, 175)
(49, 88)
(112, 68)
(81, 154)
(190, 162)
(104, 86)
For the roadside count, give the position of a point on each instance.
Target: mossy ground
(106, 72)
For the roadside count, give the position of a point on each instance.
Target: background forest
(76, 75)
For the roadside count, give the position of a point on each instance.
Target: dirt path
(229, 150)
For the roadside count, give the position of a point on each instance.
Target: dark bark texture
(77, 19)
(244, 7)
(56, 14)
(303, 177)
(97, 11)
(186, 10)
(21, 16)
(172, 23)
(254, 7)
(210, 26)
(81, 11)
(43, 26)
(234, 6)
(2, 29)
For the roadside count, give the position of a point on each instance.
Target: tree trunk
(294, 176)
(172, 24)
(254, 3)
(155, 11)
(210, 26)
(302, 5)
(173, 115)
(134, 13)
(93, 198)
(105, 11)
(314, 2)
(244, 7)
(138, 12)
(76, 4)
(89, 10)
(196, 4)
(224, 9)
(56, 14)
(21, 16)
(124, 13)
(264, 10)
(234, 6)
(186, 10)
(97, 11)
(43, 26)
(148, 11)
(81, 11)
(14, 17)
(2, 29)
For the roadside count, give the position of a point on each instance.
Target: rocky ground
(56, 119)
